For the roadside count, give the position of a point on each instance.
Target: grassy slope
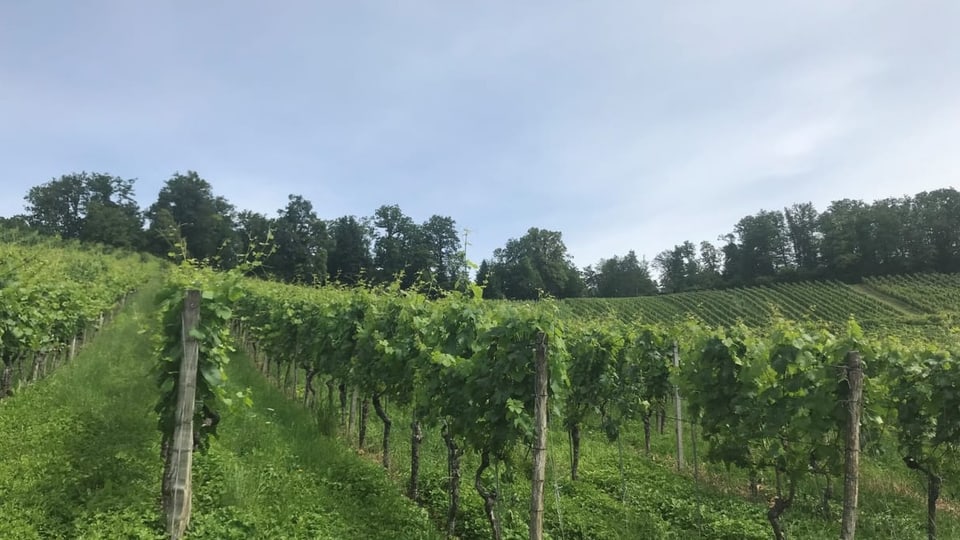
(79, 458)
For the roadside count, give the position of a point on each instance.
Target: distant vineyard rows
(756, 306)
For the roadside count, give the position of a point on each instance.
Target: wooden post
(540, 438)
(851, 467)
(177, 487)
(678, 409)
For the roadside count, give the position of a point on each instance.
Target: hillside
(877, 302)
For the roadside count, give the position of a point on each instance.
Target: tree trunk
(933, 493)
(453, 469)
(780, 506)
(678, 409)
(37, 367)
(575, 451)
(352, 415)
(489, 497)
(330, 387)
(851, 466)
(364, 415)
(296, 376)
(416, 438)
(6, 380)
(827, 495)
(343, 403)
(755, 484)
(308, 387)
(663, 420)
(646, 432)
(382, 413)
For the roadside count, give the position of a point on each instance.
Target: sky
(624, 125)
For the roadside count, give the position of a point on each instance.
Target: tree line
(848, 241)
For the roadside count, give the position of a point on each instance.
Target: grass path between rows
(79, 458)
(885, 298)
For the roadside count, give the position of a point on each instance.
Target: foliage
(186, 210)
(93, 207)
(219, 291)
(50, 295)
(532, 266)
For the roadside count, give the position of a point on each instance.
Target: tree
(536, 263)
(762, 246)
(679, 268)
(489, 280)
(94, 207)
(846, 239)
(254, 233)
(890, 233)
(395, 238)
(350, 247)
(301, 243)
(58, 207)
(186, 208)
(447, 265)
(938, 215)
(710, 275)
(621, 276)
(803, 233)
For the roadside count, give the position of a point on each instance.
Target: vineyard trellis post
(179, 459)
(678, 408)
(540, 438)
(851, 471)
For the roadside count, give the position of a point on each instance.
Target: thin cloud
(624, 126)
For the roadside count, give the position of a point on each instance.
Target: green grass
(651, 500)
(80, 458)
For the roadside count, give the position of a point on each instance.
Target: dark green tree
(442, 243)
(396, 250)
(301, 243)
(350, 249)
(534, 264)
(679, 268)
(621, 277)
(802, 232)
(938, 216)
(764, 249)
(186, 208)
(93, 207)
(846, 248)
(255, 237)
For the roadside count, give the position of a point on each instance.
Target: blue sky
(625, 125)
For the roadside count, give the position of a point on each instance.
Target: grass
(80, 458)
(651, 499)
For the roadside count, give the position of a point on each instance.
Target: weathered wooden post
(540, 438)
(851, 466)
(177, 491)
(678, 408)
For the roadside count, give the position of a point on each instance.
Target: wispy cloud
(626, 126)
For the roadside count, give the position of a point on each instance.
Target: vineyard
(929, 293)
(879, 301)
(716, 414)
(51, 300)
